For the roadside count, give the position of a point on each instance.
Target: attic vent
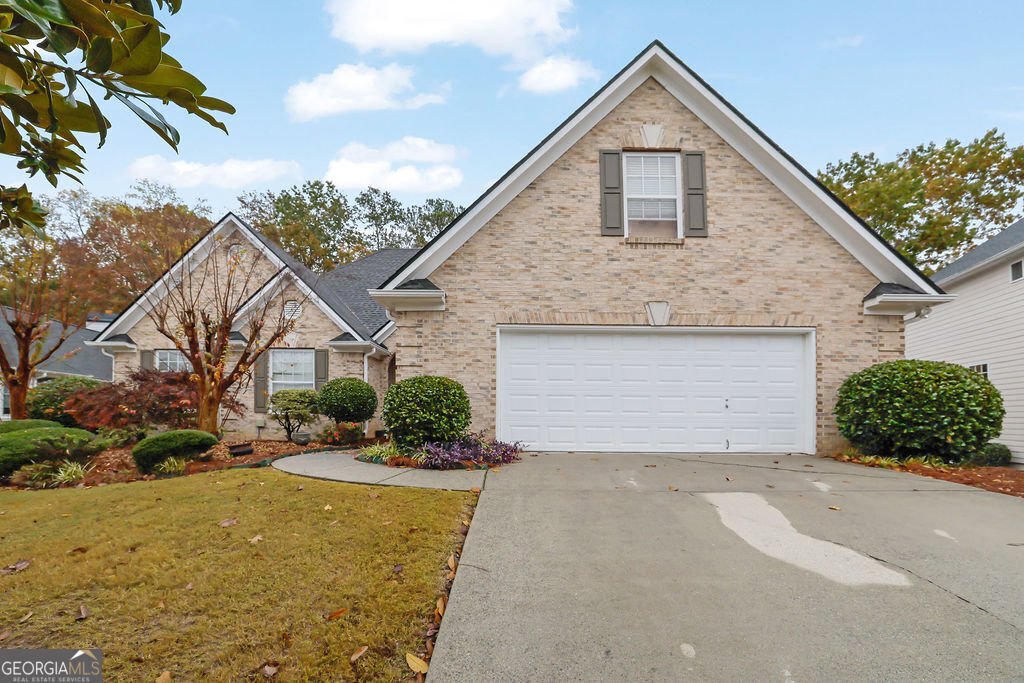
(236, 252)
(292, 309)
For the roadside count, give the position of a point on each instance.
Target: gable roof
(988, 252)
(73, 357)
(658, 62)
(351, 281)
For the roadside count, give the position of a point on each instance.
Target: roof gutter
(902, 304)
(396, 300)
(1015, 250)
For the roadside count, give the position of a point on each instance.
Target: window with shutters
(171, 360)
(291, 369)
(652, 194)
(292, 309)
(1016, 271)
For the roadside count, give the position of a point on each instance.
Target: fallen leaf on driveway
(834, 507)
(474, 490)
(228, 522)
(808, 465)
(256, 539)
(19, 566)
(416, 664)
(672, 488)
(650, 465)
(771, 486)
(25, 618)
(335, 614)
(83, 613)
(728, 478)
(359, 653)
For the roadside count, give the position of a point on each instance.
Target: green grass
(124, 549)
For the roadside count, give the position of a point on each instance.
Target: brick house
(655, 276)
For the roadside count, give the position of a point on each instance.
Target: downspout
(366, 378)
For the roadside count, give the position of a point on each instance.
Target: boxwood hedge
(19, 425)
(426, 409)
(347, 399)
(25, 446)
(180, 443)
(909, 408)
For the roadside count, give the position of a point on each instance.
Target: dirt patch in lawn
(213, 576)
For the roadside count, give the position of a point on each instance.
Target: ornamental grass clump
(912, 408)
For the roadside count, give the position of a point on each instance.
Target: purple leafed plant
(472, 449)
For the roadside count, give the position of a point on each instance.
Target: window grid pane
(650, 175)
(291, 369)
(172, 360)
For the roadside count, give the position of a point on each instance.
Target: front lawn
(171, 583)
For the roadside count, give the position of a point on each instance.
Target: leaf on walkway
(83, 613)
(335, 614)
(228, 522)
(359, 653)
(416, 664)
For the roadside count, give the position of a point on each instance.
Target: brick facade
(542, 259)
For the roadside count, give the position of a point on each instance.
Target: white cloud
(358, 166)
(230, 174)
(521, 29)
(356, 87)
(841, 42)
(556, 74)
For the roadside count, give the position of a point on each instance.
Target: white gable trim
(193, 257)
(276, 286)
(658, 63)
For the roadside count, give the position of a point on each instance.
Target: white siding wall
(984, 324)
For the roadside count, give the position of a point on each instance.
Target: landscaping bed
(997, 479)
(239, 574)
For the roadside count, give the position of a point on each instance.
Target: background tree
(54, 55)
(43, 297)
(935, 202)
(426, 220)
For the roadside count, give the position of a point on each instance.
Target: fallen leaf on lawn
(300, 487)
(834, 507)
(430, 648)
(442, 602)
(416, 664)
(359, 653)
(79, 549)
(164, 677)
(19, 566)
(229, 522)
(25, 618)
(256, 539)
(413, 528)
(451, 562)
(474, 490)
(672, 488)
(269, 669)
(334, 522)
(450, 576)
(386, 523)
(336, 613)
(328, 507)
(432, 631)
(3, 636)
(65, 515)
(83, 613)
(189, 586)
(374, 495)
(286, 638)
(398, 569)
(465, 522)
(161, 605)
(138, 659)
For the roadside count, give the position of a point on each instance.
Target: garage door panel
(660, 391)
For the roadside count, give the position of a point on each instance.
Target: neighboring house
(983, 327)
(338, 329)
(74, 358)
(655, 276)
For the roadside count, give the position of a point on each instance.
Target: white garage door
(682, 391)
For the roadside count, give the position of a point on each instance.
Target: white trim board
(658, 63)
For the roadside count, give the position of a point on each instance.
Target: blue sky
(441, 102)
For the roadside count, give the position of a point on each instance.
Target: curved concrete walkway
(344, 467)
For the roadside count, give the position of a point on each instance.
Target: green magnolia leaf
(140, 53)
(101, 121)
(218, 105)
(88, 16)
(163, 78)
(153, 119)
(100, 55)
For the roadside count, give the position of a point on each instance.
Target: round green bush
(180, 443)
(26, 446)
(991, 455)
(19, 425)
(910, 408)
(426, 409)
(348, 399)
(46, 401)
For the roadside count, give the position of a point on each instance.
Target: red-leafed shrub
(147, 398)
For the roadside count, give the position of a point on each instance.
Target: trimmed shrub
(348, 399)
(341, 434)
(293, 409)
(46, 401)
(909, 408)
(27, 446)
(18, 425)
(426, 409)
(991, 455)
(181, 443)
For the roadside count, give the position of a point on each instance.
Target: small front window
(1016, 271)
(172, 360)
(292, 309)
(291, 369)
(653, 206)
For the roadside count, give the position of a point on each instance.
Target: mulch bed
(997, 479)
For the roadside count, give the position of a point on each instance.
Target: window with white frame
(1016, 271)
(292, 309)
(980, 368)
(291, 369)
(653, 188)
(171, 360)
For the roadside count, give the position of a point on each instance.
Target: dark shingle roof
(72, 358)
(891, 288)
(351, 280)
(419, 283)
(1009, 238)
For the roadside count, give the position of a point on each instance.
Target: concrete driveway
(582, 567)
